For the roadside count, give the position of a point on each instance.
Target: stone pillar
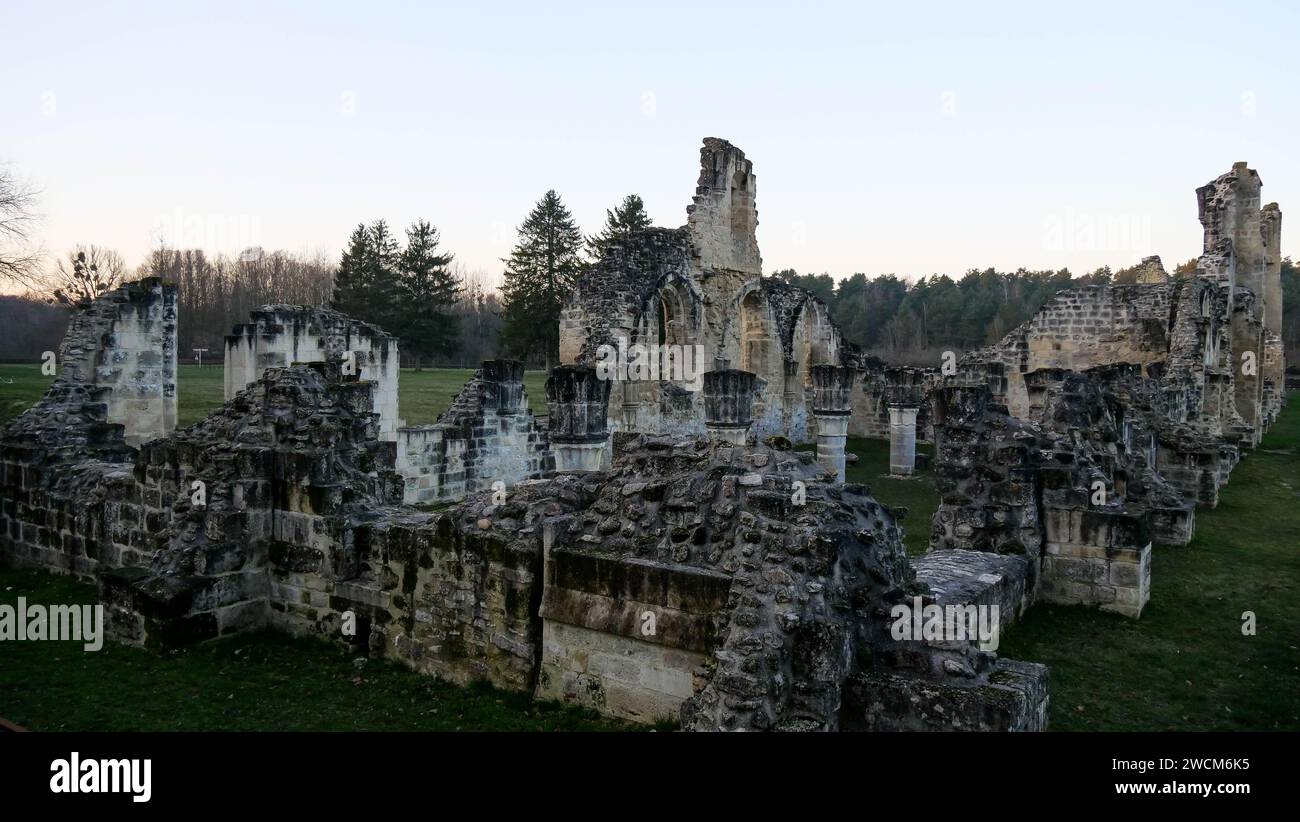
(902, 438)
(503, 386)
(832, 404)
(728, 404)
(578, 405)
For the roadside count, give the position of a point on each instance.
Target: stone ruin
(648, 550)
(697, 292)
(1099, 425)
(726, 582)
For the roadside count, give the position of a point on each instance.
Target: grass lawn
(422, 395)
(257, 682)
(1184, 665)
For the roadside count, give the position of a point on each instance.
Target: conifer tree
(351, 294)
(540, 272)
(427, 289)
(627, 217)
(366, 283)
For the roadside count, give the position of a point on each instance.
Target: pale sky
(903, 137)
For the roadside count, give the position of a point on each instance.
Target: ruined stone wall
(690, 571)
(722, 219)
(281, 335)
(488, 435)
(124, 343)
(273, 480)
(702, 286)
(69, 500)
(1064, 488)
(1229, 209)
(282, 509)
(1082, 328)
(880, 384)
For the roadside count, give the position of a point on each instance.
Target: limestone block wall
(1100, 558)
(281, 335)
(701, 287)
(629, 639)
(69, 496)
(281, 500)
(1083, 328)
(488, 434)
(124, 343)
(1229, 209)
(722, 218)
(1061, 488)
(441, 596)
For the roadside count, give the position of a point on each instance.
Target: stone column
(578, 405)
(902, 438)
(728, 405)
(792, 391)
(503, 386)
(832, 404)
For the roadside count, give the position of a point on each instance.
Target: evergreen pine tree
(627, 217)
(382, 278)
(427, 289)
(540, 272)
(351, 289)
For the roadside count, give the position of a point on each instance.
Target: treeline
(216, 292)
(32, 327)
(447, 317)
(911, 323)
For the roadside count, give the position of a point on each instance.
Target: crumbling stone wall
(702, 285)
(879, 385)
(68, 500)
(269, 484)
(771, 583)
(690, 572)
(488, 435)
(1188, 369)
(281, 335)
(1082, 328)
(1050, 489)
(124, 343)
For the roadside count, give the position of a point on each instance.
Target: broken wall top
(320, 321)
(723, 218)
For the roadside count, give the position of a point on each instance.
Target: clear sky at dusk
(904, 137)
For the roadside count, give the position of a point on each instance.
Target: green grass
(20, 386)
(1185, 665)
(422, 395)
(917, 494)
(254, 682)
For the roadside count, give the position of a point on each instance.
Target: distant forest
(911, 323)
(907, 323)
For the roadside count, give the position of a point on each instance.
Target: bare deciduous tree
(92, 271)
(19, 262)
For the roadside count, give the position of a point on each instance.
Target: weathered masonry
(694, 300)
(281, 335)
(730, 583)
(1099, 425)
(656, 547)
